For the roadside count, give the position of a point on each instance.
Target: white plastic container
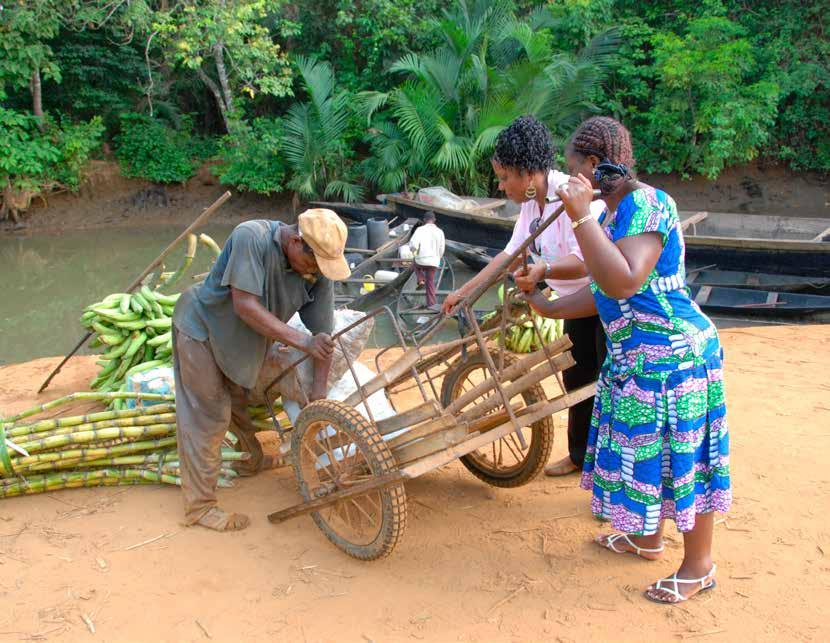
(385, 276)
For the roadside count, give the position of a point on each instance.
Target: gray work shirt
(252, 260)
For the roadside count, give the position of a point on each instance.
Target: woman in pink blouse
(523, 164)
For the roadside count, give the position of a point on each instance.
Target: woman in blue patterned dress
(658, 446)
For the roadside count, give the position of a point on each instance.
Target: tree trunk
(220, 103)
(222, 73)
(37, 96)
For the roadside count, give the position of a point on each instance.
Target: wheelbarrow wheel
(335, 447)
(503, 463)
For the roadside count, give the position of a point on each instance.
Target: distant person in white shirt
(427, 246)
(523, 164)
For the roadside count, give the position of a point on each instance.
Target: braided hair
(525, 145)
(610, 142)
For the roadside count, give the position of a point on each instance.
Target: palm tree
(314, 138)
(441, 123)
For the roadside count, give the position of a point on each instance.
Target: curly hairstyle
(609, 141)
(525, 145)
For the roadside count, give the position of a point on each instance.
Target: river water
(47, 280)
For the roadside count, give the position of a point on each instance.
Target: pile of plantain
(520, 337)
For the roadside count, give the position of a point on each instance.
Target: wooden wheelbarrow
(478, 403)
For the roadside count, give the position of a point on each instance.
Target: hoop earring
(530, 192)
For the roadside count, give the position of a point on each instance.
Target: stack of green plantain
(135, 329)
(520, 336)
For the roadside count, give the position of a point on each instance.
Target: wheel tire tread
(394, 507)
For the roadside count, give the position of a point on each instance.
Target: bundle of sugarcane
(111, 447)
(135, 329)
(520, 336)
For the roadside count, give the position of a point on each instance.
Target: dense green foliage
(442, 120)
(250, 157)
(337, 98)
(149, 149)
(35, 154)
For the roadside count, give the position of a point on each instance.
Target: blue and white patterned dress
(658, 445)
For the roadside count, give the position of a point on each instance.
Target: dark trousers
(588, 351)
(206, 402)
(426, 276)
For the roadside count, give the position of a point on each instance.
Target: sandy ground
(476, 564)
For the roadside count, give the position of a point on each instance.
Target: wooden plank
(423, 292)
(395, 371)
(426, 411)
(368, 280)
(493, 420)
(494, 205)
(560, 363)
(822, 235)
(375, 484)
(436, 442)
(429, 349)
(751, 243)
(696, 218)
(535, 412)
(510, 373)
(703, 295)
(441, 423)
(502, 222)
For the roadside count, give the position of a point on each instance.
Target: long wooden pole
(200, 220)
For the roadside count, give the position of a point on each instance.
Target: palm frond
(318, 78)
(409, 64)
(368, 102)
(601, 49)
(442, 70)
(298, 133)
(541, 18)
(417, 109)
(454, 153)
(349, 192)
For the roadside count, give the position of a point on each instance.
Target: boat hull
(761, 303)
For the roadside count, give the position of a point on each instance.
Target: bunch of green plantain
(135, 330)
(520, 336)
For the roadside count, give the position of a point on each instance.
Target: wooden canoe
(760, 303)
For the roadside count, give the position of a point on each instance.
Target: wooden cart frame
(350, 468)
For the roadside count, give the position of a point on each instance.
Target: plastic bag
(280, 357)
(156, 380)
(443, 198)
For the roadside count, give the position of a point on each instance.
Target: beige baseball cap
(325, 233)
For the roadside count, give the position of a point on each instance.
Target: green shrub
(149, 149)
(35, 158)
(250, 156)
(76, 142)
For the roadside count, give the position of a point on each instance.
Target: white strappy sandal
(608, 542)
(704, 587)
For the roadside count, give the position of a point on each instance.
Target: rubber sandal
(704, 587)
(611, 540)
